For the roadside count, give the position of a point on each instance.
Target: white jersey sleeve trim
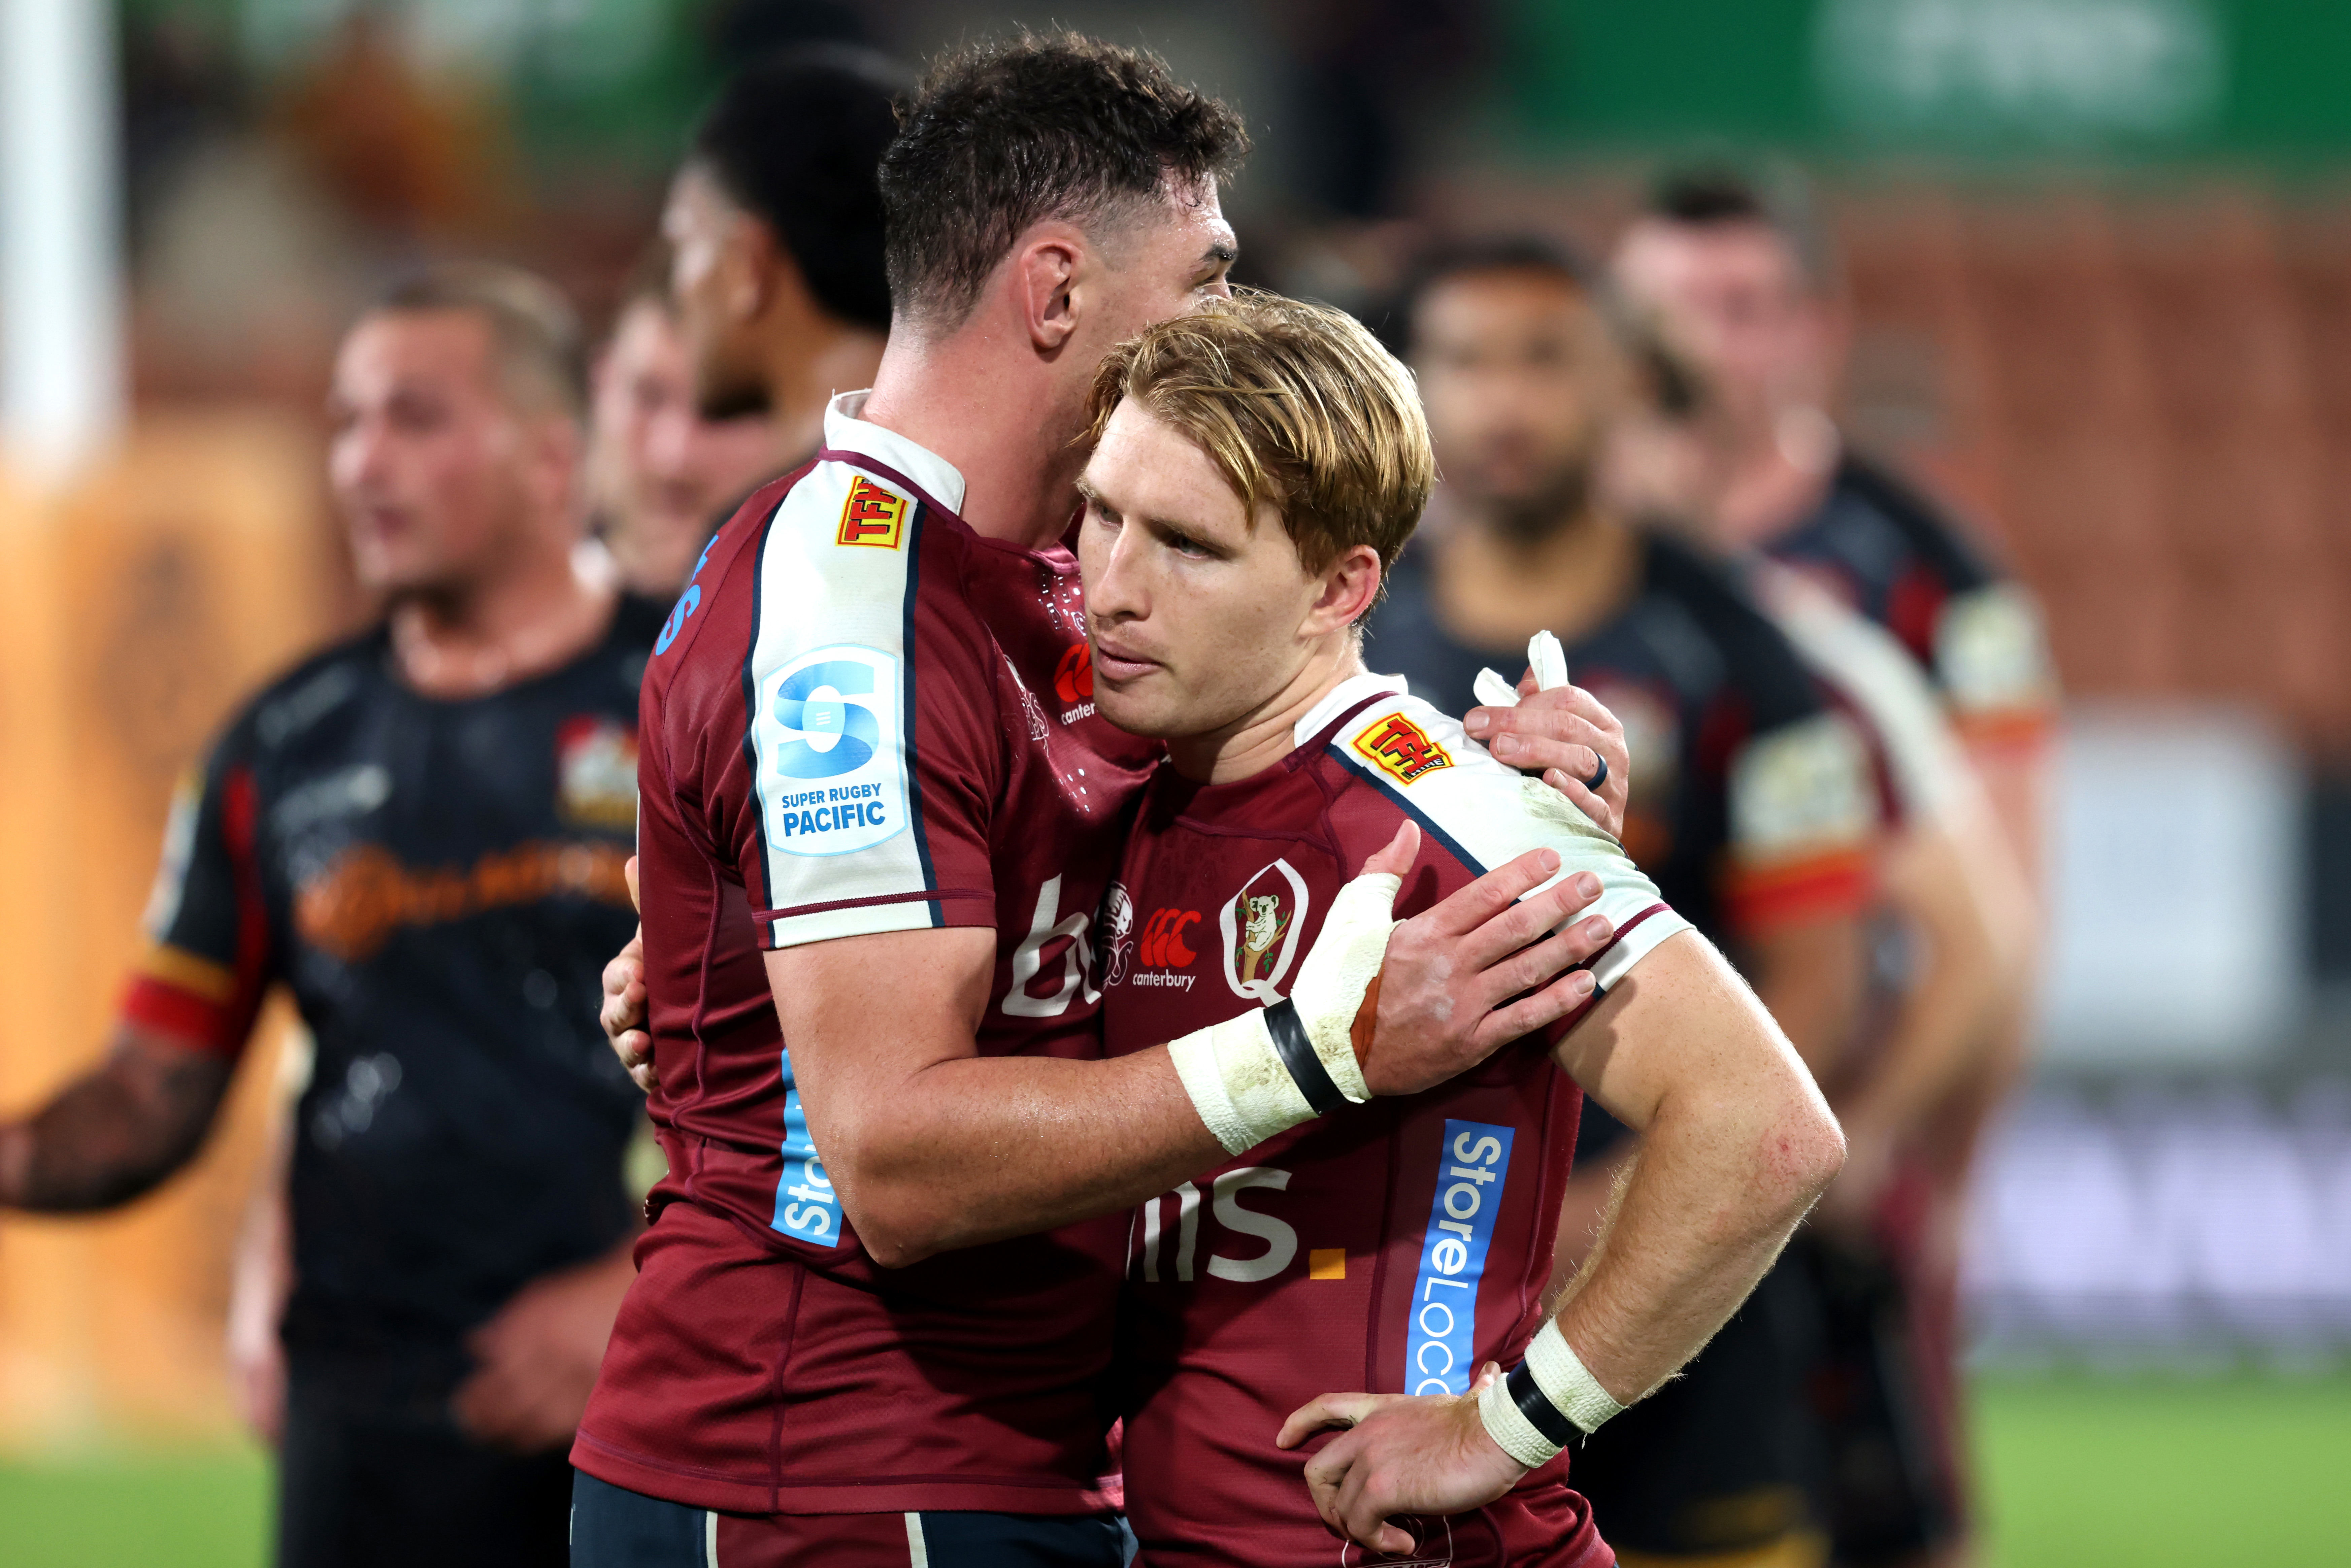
(1343, 696)
(1487, 813)
(1876, 674)
(830, 688)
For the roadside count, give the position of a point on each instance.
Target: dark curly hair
(795, 139)
(1003, 133)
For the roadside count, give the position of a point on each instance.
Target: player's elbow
(898, 1225)
(1799, 1153)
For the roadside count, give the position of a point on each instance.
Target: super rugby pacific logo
(832, 766)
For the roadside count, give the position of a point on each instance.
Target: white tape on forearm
(1237, 1082)
(1561, 1373)
(1512, 1431)
(1561, 1377)
(1243, 1089)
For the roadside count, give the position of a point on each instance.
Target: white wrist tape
(1268, 1070)
(1544, 1401)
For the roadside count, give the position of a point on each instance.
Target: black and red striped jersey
(1901, 559)
(439, 884)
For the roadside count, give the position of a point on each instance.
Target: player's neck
(536, 613)
(1779, 478)
(1268, 733)
(1495, 587)
(1000, 421)
(806, 365)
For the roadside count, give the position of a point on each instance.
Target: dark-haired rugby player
(1258, 467)
(880, 813)
(1745, 285)
(1753, 806)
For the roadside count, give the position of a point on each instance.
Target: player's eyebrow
(1224, 250)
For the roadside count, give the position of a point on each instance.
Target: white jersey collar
(1343, 696)
(930, 473)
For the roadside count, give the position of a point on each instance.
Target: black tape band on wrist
(1297, 1052)
(1536, 1407)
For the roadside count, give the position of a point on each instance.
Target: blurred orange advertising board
(136, 607)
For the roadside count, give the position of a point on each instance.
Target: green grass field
(2079, 1473)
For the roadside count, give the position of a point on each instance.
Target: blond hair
(1298, 405)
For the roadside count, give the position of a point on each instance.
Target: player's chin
(1133, 707)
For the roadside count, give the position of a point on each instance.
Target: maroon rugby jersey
(862, 717)
(1391, 1247)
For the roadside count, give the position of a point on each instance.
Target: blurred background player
(1753, 808)
(774, 224)
(1741, 282)
(1745, 287)
(420, 833)
(661, 476)
(1950, 903)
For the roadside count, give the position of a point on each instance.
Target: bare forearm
(1709, 1202)
(1947, 1018)
(113, 1134)
(1810, 978)
(980, 1149)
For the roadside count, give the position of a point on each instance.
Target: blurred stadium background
(2099, 253)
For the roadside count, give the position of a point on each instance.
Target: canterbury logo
(1161, 946)
(1401, 748)
(872, 516)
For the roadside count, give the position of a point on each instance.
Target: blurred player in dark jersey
(661, 476)
(774, 224)
(1745, 287)
(1258, 467)
(880, 815)
(1753, 806)
(420, 834)
(1952, 905)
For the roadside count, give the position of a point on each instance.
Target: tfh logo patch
(872, 516)
(1403, 749)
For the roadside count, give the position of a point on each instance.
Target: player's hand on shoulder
(1444, 998)
(1399, 1454)
(1567, 734)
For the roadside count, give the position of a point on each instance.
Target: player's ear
(1045, 284)
(1350, 584)
(749, 260)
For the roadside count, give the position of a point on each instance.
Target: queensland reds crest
(1260, 924)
